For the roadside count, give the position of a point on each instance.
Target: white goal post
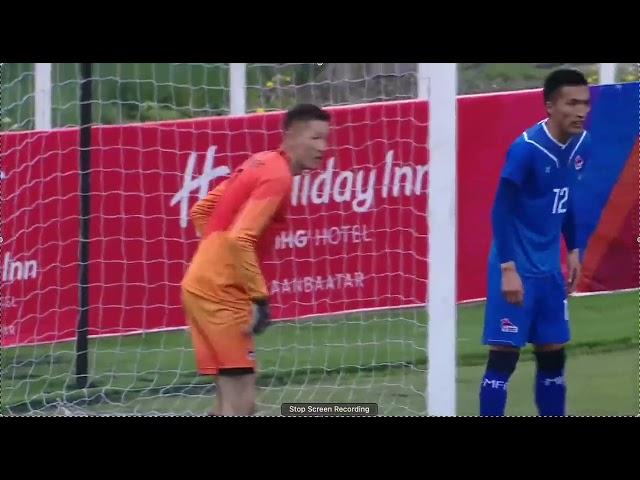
(442, 219)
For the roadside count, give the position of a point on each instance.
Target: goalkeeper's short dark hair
(305, 112)
(564, 77)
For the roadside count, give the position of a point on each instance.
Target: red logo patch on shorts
(507, 326)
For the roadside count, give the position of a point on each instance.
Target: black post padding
(82, 331)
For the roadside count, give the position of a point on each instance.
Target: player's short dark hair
(305, 112)
(564, 77)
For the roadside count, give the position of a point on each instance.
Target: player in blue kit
(533, 208)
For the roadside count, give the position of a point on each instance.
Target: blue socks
(493, 394)
(493, 389)
(550, 389)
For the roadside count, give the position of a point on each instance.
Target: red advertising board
(357, 236)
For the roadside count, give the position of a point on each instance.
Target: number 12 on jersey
(559, 204)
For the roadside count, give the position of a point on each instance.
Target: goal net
(348, 277)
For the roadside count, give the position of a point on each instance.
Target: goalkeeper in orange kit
(224, 294)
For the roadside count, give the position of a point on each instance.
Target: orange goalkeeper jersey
(238, 221)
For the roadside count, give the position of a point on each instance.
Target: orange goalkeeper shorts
(219, 335)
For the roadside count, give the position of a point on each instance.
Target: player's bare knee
(243, 406)
(237, 387)
(228, 410)
(217, 407)
(246, 401)
(247, 407)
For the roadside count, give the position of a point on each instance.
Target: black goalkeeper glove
(261, 316)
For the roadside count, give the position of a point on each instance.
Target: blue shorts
(542, 319)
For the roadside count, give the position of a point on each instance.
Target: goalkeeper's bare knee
(237, 388)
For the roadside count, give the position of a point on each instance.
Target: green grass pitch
(369, 357)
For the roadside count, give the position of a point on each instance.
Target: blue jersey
(546, 173)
